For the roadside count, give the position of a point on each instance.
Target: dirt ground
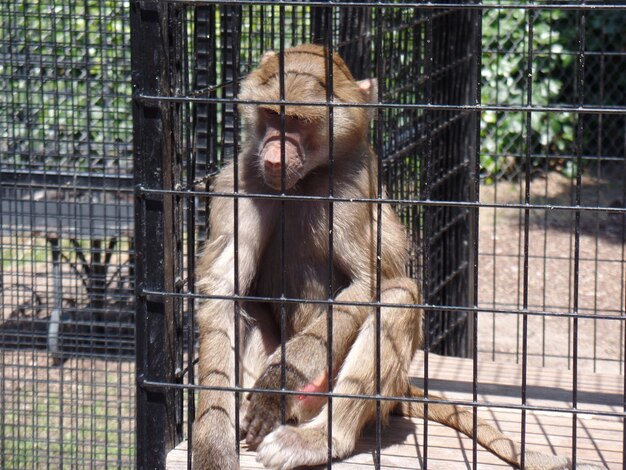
(551, 274)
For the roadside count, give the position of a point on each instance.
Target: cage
(431, 61)
(493, 126)
(500, 132)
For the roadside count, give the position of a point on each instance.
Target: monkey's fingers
(262, 416)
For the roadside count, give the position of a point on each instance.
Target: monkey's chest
(296, 264)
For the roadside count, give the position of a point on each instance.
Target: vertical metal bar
(474, 219)
(379, 191)
(428, 60)
(155, 360)
(283, 175)
(189, 319)
(580, 97)
(527, 175)
(232, 38)
(329, 338)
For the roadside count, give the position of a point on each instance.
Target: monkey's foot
(289, 447)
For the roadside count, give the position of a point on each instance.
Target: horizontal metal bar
(336, 303)
(419, 6)
(148, 384)
(416, 202)
(613, 110)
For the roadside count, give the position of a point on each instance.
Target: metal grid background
(536, 258)
(67, 318)
(538, 150)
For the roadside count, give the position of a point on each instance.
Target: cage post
(473, 146)
(450, 176)
(158, 348)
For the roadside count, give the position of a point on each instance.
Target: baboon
(290, 154)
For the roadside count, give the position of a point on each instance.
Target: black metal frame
(174, 158)
(157, 355)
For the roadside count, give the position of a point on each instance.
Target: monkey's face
(306, 126)
(304, 143)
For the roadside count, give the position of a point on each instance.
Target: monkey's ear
(369, 88)
(267, 56)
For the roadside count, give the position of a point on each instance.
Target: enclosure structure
(504, 266)
(66, 227)
(501, 132)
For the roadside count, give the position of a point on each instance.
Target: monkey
(286, 151)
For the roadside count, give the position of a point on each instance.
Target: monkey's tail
(462, 420)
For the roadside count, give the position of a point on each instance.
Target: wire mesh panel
(502, 153)
(551, 258)
(67, 322)
(554, 260)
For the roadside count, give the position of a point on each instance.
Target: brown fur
(306, 255)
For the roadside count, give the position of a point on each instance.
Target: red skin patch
(319, 384)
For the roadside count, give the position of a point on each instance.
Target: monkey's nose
(272, 165)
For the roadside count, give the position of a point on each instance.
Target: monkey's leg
(289, 447)
(261, 340)
(306, 368)
(214, 443)
(214, 429)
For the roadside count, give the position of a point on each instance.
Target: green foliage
(505, 139)
(65, 84)
(65, 92)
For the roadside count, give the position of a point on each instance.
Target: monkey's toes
(289, 447)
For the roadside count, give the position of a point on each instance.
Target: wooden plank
(599, 438)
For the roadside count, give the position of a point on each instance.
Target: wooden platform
(599, 438)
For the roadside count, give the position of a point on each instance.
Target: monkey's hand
(263, 409)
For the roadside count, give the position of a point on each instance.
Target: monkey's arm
(214, 436)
